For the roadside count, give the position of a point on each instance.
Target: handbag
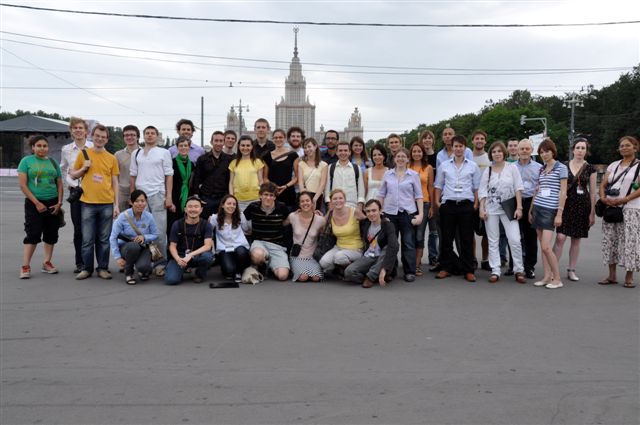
(296, 248)
(509, 207)
(156, 253)
(60, 217)
(326, 240)
(614, 214)
(76, 192)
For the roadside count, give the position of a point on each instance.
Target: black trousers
(457, 217)
(234, 262)
(528, 237)
(75, 210)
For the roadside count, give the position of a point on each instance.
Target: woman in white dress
(373, 175)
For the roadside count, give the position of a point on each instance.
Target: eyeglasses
(330, 138)
(370, 211)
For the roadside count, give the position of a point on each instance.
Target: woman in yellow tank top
(346, 228)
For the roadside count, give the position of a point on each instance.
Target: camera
(610, 191)
(74, 194)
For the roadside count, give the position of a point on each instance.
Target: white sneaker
(554, 285)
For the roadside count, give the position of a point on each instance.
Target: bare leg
(48, 252)
(574, 252)
(27, 253)
(547, 253)
(559, 246)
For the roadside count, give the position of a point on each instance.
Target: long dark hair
(363, 155)
(252, 154)
(235, 217)
(423, 162)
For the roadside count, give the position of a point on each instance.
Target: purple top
(400, 195)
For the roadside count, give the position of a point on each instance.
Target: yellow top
(423, 172)
(96, 184)
(246, 186)
(348, 236)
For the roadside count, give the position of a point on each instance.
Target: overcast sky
(125, 86)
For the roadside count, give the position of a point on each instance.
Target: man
(529, 171)
(295, 136)
(211, 176)
(230, 138)
(152, 171)
(331, 138)
(190, 244)
(69, 154)
(446, 152)
(266, 218)
(346, 176)
(457, 184)
(481, 158)
(185, 128)
(512, 148)
(99, 202)
(262, 145)
(123, 156)
(394, 142)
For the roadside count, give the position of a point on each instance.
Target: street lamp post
(240, 106)
(524, 119)
(571, 102)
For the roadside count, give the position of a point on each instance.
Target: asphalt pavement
(428, 352)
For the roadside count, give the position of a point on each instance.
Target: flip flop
(130, 280)
(606, 281)
(629, 285)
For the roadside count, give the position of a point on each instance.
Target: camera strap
(624, 173)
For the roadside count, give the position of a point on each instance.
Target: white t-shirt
(503, 186)
(150, 169)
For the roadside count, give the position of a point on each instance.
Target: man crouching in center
(267, 218)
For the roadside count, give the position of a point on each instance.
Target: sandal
(130, 280)
(520, 278)
(629, 285)
(419, 271)
(494, 278)
(607, 281)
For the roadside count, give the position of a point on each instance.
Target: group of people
(280, 205)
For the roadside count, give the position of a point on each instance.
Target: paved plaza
(428, 352)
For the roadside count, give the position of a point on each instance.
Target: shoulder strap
(136, 157)
(356, 171)
(332, 170)
(624, 173)
(53, 163)
(85, 154)
(635, 176)
(308, 228)
(133, 225)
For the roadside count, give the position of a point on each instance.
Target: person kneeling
(380, 249)
(267, 217)
(190, 244)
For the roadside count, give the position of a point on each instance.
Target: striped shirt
(267, 226)
(548, 195)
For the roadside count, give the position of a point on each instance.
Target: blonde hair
(337, 190)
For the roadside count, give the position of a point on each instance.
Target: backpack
(332, 169)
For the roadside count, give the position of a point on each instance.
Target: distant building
(295, 109)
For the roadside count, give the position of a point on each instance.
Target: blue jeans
(173, 273)
(96, 228)
(422, 227)
(402, 223)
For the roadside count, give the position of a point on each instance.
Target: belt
(458, 202)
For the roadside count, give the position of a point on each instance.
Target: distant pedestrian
(41, 182)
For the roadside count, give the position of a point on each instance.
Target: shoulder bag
(326, 239)
(296, 248)
(156, 254)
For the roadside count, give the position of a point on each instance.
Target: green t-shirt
(41, 176)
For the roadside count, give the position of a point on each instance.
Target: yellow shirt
(96, 184)
(348, 236)
(246, 185)
(423, 172)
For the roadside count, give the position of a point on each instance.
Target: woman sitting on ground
(232, 247)
(130, 236)
(306, 227)
(380, 249)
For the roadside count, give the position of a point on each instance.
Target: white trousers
(155, 204)
(338, 257)
(512, 230)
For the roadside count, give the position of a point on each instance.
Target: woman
(245, 175)
(501, 182)
(306, 227)
(419, 164)
(41, 182)
(130, 236)
(359, 153)
(546, 210)
(183, 169)
(373, 175)
(579, 209)
(232, 246)
(312, 172)
(620, 188)
(281, 168)
(427, 139)
(346, 229)
(401, 197)
(380, 249)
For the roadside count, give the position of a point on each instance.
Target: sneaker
(554, 285)
(104, 274)
(25, 272)
(530, 274)
(409, 277)
(237, 278)
(83, 275)
(47, 267)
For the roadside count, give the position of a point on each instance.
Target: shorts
(277, 254)
(40, 226)
(543, 218)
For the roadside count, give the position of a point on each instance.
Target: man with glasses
(331, 138)
(123, 156)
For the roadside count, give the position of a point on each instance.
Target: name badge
(579, 191)
(97, 178)
(457, 189)
(545, 192)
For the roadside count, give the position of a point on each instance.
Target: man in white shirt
(70, 152)
(346, 176)
(481, 158)
(152, 171)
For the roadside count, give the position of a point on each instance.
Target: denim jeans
(234, 262)
(402, 223)
(422, 227)
(434, 239)
(96, 228)
(173, 273)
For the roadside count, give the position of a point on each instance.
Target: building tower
(354, 127)
(295, 109)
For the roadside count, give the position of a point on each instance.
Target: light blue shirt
(121, 226)
(458, 184)
(443, 156)
(529, 173)
(400, 195)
